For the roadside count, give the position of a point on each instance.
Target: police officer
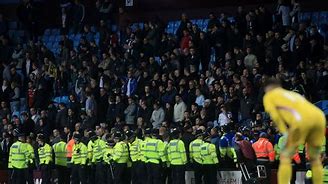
(209, 160)
(325, 174)
(154, 155)
(176, 154)
(79, 161)
(120, 158)
(31, 163)
(98, 149)
(108, 160)
(227, 152)
(166, 167)
(90, 168)
(61, 161)
(137, 168)
(195, 157)
(45, 158)
(18, 161)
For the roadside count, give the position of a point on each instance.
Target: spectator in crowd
(223, 116)
(61, 117)
(179, 109)
(3, 25)
(27, 124)
(78, 15)
(158, 116)
(130, 112)
(147, 78)
(284, 12)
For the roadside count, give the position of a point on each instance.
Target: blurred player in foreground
(301, 121)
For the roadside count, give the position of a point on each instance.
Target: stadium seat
(56, 100)
(93, 29)
(97, 40)
(20, 33)
(141, 25)
(315, 17)
(205, 22)
(12, 25)
(114, 28)
(61, 99)
(97, 35)
(199, 22)
(55, 44)
(170, 30)
(323, 17)
(231, 19)
(134, 26)
(57, 38)
(11, 34)
(51, 38)
(77, 37)
(90, 37)
(170, 25)
(76, 43)
(47, 32)
(64, 99)
(49, 45)
(176, 24)
(55, 31)
(71, 36)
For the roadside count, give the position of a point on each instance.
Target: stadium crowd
(146, 84)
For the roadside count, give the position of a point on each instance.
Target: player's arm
(270, 108)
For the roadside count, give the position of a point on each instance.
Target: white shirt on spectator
(250, 61)
(284, 11)
(27, 66)
(101, 82)
(179, 109)
(223, 119)
(128, 89)
(35, 118)
(200, 100)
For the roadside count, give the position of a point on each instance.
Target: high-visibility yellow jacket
(45, 154)
(135, 150)
(194, 149)
(31, 153)
(18, 156)
(79, 156)
(325, 175)
(60, 153)
(98, 149)
(176, 152)
(154, 151)
(121, 153)
(90, 151)
(208, 153)
(108, 154)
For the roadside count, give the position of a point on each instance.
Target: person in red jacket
(184, 44)
(264, 154)
(245, 152)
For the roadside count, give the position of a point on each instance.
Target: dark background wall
(149, 9)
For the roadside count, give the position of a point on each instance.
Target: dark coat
(61, 118)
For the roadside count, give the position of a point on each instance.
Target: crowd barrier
(224, 177)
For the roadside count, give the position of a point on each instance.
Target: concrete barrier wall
(224, 177)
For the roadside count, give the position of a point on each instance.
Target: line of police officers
(120, 159)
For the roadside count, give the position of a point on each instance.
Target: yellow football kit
(302, 122)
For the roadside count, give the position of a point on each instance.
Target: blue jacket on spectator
(130, 86)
